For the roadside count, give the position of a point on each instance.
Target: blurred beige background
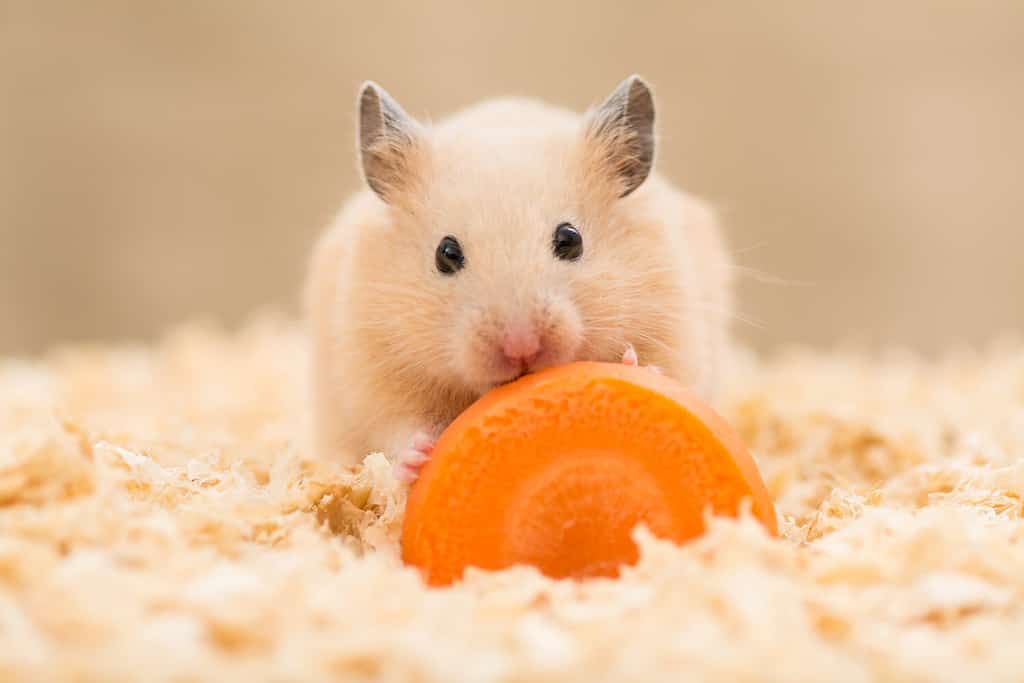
(160, 161)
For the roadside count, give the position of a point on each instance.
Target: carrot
(557, 469)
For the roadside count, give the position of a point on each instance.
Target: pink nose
(521, 345)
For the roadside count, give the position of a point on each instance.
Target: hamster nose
(521, 345)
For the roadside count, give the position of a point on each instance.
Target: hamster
(509, 237)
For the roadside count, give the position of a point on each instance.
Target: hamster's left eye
(567, 242)
(448, 257)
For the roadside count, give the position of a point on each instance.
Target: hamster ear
(388, 139)
(621, 131)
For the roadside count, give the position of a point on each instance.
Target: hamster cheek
(561, 331)
(475, 349)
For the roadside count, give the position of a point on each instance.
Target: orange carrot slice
(557, 469)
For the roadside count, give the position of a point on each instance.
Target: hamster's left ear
(621, 132)
(389, 140)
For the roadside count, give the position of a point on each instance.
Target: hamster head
(509, 243)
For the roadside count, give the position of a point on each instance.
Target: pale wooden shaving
(161, 519)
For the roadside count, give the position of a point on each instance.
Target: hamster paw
(413, 457)
(629, 357)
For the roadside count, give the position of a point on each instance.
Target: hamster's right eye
(449, 257)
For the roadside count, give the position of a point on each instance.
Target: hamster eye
(449, 257)
(567, 242)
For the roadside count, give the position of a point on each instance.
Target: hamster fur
(400, 348)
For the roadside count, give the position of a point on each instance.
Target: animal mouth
(522, 372)
(513, 374)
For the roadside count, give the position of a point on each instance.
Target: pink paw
(413, 457)
(629, 357)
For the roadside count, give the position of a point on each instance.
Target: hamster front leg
(409, 461)
(629, 357)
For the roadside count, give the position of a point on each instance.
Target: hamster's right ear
(389, 139)
(621, 133)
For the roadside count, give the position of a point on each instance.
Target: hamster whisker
(766, 278)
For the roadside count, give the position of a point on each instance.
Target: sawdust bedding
(161, 520)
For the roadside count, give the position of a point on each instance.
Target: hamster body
(510, 237)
